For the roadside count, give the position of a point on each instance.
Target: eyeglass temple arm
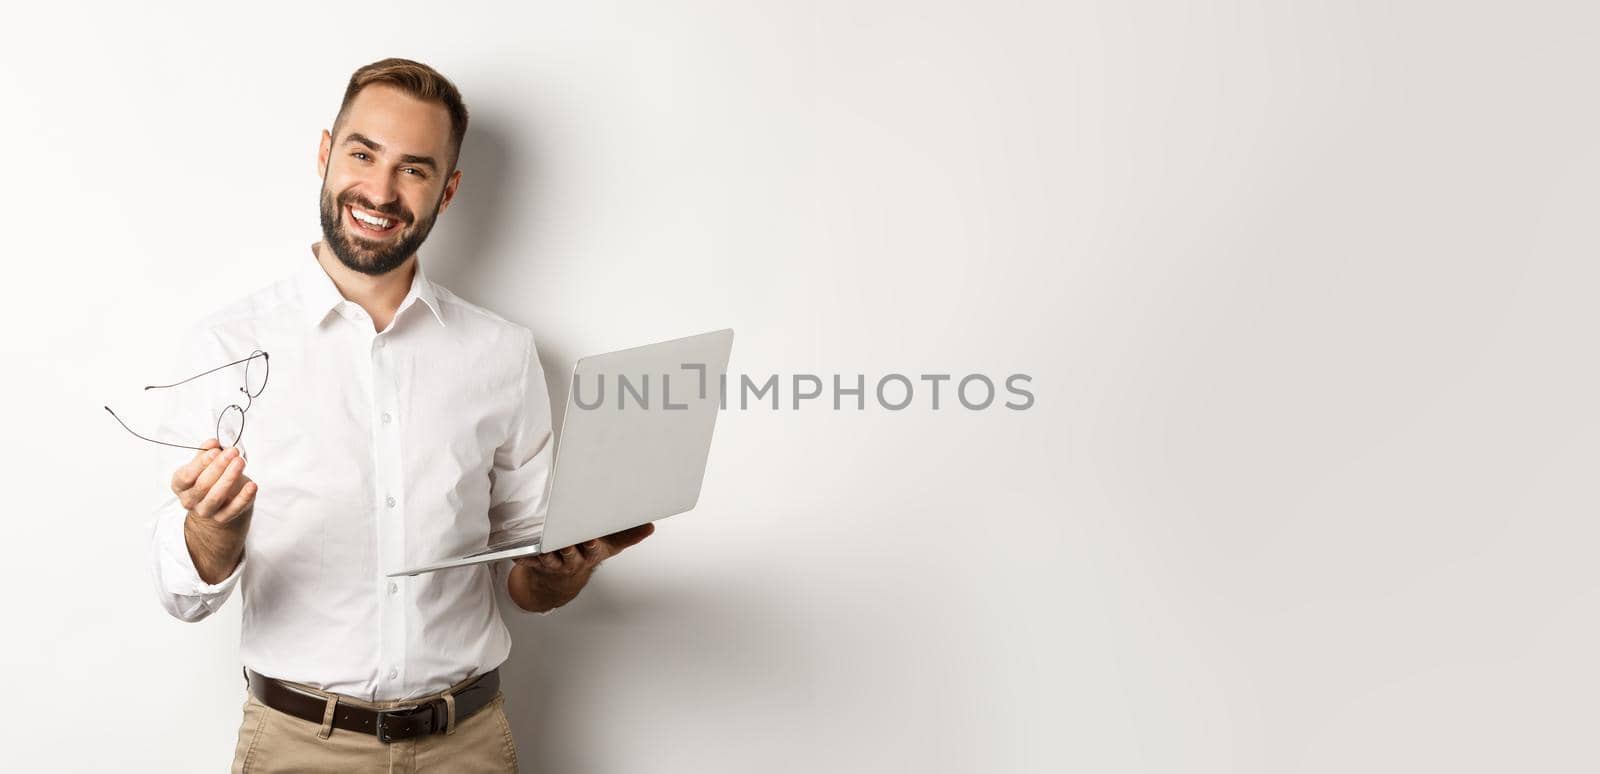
(152, 440)
(253, 356)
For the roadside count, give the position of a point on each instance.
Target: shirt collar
(320, 296)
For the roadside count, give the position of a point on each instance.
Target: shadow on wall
(647, 658)
(466, 247)
(467, 250)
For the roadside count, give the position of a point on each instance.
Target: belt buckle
(399, 712)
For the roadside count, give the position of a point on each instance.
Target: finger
(239, 504)
(549, 562)
(208, 477)
(569, 560)
(222, 491)
(184, 477)
(628, 537)
(591, 550)
(209, 474)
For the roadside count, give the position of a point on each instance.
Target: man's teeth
(369, 220)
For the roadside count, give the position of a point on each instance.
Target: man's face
(385, 178)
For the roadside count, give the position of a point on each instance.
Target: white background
(1306, 290)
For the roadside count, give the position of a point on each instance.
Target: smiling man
(399, 423)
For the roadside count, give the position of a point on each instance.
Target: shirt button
(393, 673)
(386, 417)
(390, 501)
(393, 587)
(380, 343)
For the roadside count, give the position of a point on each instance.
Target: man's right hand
(213, 485)
(219, 499)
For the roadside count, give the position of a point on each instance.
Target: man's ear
(450, 190)
(326, 148)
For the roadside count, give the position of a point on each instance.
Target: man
(394, 422)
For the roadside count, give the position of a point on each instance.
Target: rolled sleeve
(178, 584)
(519, 479)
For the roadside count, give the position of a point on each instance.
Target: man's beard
(367, 256)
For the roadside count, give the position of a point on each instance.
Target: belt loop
(449, 714)
(327, 717)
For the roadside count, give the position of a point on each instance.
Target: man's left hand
(562, 574)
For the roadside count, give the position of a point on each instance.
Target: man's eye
(359, 155)
(414, 171)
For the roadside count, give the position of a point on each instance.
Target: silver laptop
(633, 447)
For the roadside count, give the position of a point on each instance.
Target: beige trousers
(273, 741)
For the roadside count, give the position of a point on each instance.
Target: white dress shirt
(372, 452)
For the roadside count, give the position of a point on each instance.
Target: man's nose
(380, 190)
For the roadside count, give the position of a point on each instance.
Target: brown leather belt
(388, 725)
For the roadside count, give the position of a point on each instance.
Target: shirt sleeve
(188, 417)
(519, 480)
(178, 584)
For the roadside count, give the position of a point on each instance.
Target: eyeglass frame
(266, 360)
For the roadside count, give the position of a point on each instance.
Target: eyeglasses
(230, 425)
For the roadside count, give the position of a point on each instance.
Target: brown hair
(419, 81)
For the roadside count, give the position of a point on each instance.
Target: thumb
(629, 537)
